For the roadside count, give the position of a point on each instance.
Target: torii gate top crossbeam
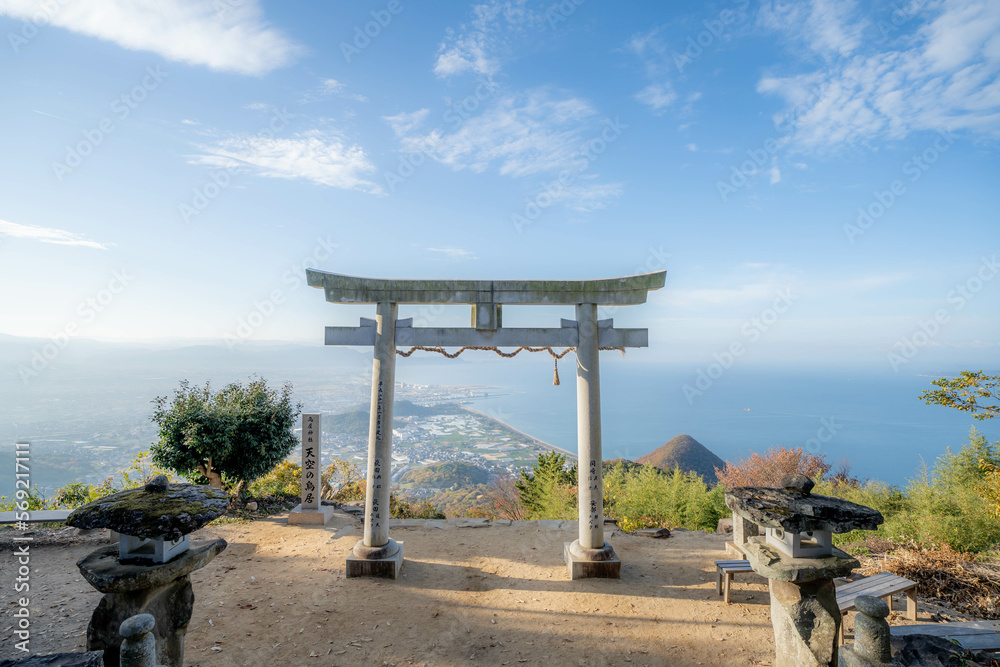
(626, 290)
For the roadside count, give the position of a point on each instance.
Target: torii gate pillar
(378, 555)
(588, 556)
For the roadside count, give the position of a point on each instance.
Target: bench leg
(729, 579)
(911, 604)
(888, 602)
(718, 583)
(840, 630)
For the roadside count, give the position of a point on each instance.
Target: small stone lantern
(797, 556)
(149, 570)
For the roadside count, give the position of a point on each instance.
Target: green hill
(688, 454)
(446, 474)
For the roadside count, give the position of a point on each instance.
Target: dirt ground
(491, 595)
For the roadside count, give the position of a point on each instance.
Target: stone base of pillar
(316, 517)
(382, 562)
(806, 622)
(591, 563)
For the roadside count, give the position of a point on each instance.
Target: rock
(89, 659)
(251, 506)
(158, 484)
(725, 526)
(871, 606)
(138, 646)
(797, 483)
(658, 533)
(170, 514)
(796, 512)
(929, 651)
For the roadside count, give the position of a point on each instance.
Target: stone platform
(317, 517)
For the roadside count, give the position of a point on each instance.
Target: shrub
(647, 497)
(768, 469)
(231, 437)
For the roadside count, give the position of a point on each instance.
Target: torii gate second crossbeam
(589, 556)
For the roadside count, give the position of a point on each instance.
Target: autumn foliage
(767, 469)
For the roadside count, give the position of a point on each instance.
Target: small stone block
(734, 551)
(591, 569)
(317, 517)
(384, 568)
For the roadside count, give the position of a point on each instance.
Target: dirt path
(495, 595)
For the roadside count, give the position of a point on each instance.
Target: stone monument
(149, 570)
(311, 508)
(798, 558)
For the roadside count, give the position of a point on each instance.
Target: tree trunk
(214, 477)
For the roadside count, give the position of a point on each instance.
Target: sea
(871, 419)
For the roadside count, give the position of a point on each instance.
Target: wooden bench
(972, 635)
(725, 570)
(36, 516)
(883, 585)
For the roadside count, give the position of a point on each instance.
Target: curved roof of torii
(619, 291)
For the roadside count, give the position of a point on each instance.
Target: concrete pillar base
(591, 563)
(382, 562)
(316, 517)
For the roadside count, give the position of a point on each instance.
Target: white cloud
(774, 173)
(187, 121)
(587, 196)
(315, 156)
(479, 46)
(826, 26)
(942, 75)
(46, 235)
(692, 147)
(232, 39)
(455, 253)
(657, 95)
(327, 88)
(533, 135)
(404, 123)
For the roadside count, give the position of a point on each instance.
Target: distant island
(688, 454)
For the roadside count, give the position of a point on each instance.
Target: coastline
(569, 454)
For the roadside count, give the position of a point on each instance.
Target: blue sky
(818, 178)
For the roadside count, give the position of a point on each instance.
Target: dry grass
(943, 575)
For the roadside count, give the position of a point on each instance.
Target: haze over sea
(876, 419)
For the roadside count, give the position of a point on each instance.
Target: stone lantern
(149, 570)
(797, 556)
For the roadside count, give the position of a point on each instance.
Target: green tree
(230, 437)
(547, 489)
(967, 393)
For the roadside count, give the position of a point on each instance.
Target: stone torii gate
(589, 556)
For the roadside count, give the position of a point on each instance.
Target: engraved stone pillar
(311, 509)
(589, 556)
(377, 555)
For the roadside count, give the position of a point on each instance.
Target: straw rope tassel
(555, 376)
